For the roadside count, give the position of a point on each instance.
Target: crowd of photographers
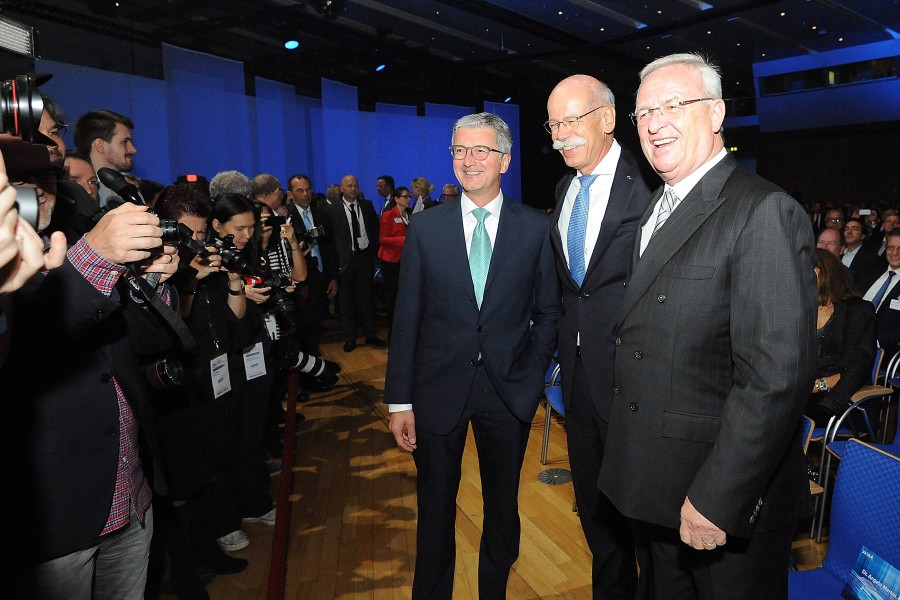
(144, 356)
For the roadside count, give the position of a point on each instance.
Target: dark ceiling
(459, 51)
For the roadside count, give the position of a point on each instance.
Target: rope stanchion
(278, 562)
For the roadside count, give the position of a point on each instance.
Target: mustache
(572, 142)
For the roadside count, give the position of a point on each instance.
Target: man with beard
(105, 137)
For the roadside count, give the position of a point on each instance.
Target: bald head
(581, 116)
(350, 187)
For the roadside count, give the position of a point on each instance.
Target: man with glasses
(474, 341)
(834, 219)
(715, 355)
(598, 206)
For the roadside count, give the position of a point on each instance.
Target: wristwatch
(232, 292)
(822, 385)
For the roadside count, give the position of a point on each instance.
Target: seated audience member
(831, 240)
(859, 258)
(845, 340)
(394, 221)
(877, 240)
(230, 182)
(834, 219)
(884, 293)
(816, 216)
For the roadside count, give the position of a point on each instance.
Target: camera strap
(142, 291)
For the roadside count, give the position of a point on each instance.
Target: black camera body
(313, 234)
(232, 259)
(280, 302)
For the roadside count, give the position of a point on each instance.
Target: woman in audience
(845, 340)
(394, 220)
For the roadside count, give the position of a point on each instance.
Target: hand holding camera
(126, 234)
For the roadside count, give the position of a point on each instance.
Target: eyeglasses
(668, 111)
(834, 219)
(478, 152)
(572, 123)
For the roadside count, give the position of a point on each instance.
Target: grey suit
(715, 359)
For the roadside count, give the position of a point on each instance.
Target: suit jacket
(62, 442)
(592, 309)
(715, 360)
(325, 243)
(343, 237)
(442, 331)
(887, 319)
(864, 264)
(392, 235)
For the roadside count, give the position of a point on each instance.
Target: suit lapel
(619, 196)
(505, 244)
(453, 248)
(561, 189)
(690, 214)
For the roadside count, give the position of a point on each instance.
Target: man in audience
(877, 241)
(715, 355)
(598, 206)
(354, 227)
(834, 219)
(817, 218)
(831, 240)
(267, 189)
(105, 137)
(230, 182)
(450, 192)
(321, 277)
(333, 194)
(882, 290)
(478, 358)
(859, 258)
(385, 187)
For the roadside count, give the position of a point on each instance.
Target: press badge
(895, 304)
(398, 220)
(254, 362)
(221, 380)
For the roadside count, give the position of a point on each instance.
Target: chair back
(876, 368)
(865, 510)
(806, 431)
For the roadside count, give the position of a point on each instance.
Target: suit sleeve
(398, 384)
(547, 306)
(772, 332)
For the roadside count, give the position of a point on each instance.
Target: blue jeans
(113, 569)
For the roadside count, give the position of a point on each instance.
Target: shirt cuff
(98, 271)
(398, 407)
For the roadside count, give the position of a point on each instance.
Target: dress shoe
(376, 342)
(349, 345)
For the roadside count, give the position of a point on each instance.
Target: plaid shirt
(131, 485)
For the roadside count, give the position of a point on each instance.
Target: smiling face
(677, 147)
(585, 147)
(480, 179)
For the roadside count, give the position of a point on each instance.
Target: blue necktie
(480, 254)
(307, 221)
(883, 290)
(578, 227)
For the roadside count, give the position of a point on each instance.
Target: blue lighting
(508, 99)
(379, 68)
(292, 44)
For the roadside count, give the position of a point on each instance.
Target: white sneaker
(236, 540)
(268, 518)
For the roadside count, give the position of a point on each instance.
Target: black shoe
(376, 342)
(349, 345)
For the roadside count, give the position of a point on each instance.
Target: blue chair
(554, 401)
(866, 512)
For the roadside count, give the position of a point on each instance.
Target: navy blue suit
(434, 365)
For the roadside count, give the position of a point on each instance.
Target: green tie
(480, 254)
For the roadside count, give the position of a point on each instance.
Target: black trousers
(356, 298)
(608, 533)
(500, 439)
(391, 285)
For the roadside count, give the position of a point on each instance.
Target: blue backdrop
(200, 120)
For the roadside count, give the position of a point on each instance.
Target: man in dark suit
(862, 260)
(320, 270)
(592, 263)
(715, 355)
(887, 302)
(355, 233)
(479, 358)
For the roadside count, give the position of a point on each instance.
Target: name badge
(398, 220)
(221, 380)
(255, 362)
(895, 304)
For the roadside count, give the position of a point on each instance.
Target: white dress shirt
(491, 224)
(870, 293)
(681, 190)
(363, 235)
(599, 200)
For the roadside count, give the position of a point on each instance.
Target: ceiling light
(380, 68)
(291, 44)
(508, 99)
(783, 13)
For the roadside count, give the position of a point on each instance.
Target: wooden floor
(353, 509)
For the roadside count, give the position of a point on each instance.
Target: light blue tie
(307, 220)
(876, 301)
(480, 254)
(578, 228)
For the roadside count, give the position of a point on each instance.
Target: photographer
(83, 453)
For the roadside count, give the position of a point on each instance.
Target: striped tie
(480, 254)
(669, 200)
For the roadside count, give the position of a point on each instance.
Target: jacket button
(479, 329)
(661, 298)
(615, 390)
(638, 354)
(105, 378)
(618, 341)
(633, 406)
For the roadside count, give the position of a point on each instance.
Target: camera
(280, 302)
(28, 205)
(232, 259)
(165, 373)
(313, 234)
(274, 221)
(21, 107)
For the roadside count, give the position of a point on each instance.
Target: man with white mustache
(598, 206)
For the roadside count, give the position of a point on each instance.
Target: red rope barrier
(278, 561)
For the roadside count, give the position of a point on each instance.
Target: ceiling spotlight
(380, 68)
(508, 100)
(291, 44)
